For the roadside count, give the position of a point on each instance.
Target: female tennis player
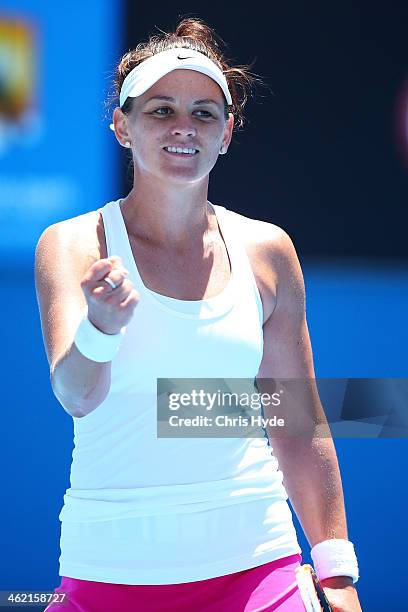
(163, 284)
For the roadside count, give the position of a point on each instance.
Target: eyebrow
(170, 99)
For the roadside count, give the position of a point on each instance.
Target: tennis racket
(311, 590)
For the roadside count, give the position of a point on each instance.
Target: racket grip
(311, 590)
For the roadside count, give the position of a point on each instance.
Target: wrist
(335, 558)
(103, 331)
(337, 582)
(95, 344)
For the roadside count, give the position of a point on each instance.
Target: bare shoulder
(80, 239)
(273, 258)
(264, 237)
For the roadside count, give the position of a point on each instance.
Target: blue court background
(356, 314)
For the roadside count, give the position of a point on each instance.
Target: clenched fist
(109, 309)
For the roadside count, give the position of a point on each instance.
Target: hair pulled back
(193, 33)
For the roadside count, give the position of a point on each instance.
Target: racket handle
(311, 591)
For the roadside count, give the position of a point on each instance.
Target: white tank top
(142, 509)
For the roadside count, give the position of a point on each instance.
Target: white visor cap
(143, 76)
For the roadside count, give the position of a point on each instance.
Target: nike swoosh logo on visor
(181, 58)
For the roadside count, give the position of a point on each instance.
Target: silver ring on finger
(110, 282)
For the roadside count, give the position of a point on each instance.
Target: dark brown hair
(193, 33)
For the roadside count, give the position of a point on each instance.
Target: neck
(168, 216)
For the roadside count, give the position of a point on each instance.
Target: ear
(120, 127)
(229, 126)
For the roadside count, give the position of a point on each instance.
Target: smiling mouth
(181, 151)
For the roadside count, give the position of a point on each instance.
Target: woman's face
(183, 109)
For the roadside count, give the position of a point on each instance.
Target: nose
(184, 129)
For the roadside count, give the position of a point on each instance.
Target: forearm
(313, 483)
(79, 384)
(307, 457)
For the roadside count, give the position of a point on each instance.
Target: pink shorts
(271, 586)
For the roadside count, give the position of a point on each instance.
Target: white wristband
(94, 344)
(335, 557)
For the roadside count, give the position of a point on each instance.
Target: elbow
(70, 405)
(74, 405)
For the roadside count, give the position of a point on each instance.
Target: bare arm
(64, 259)
(308, 461)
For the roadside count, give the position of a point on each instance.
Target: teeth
(181, 150)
